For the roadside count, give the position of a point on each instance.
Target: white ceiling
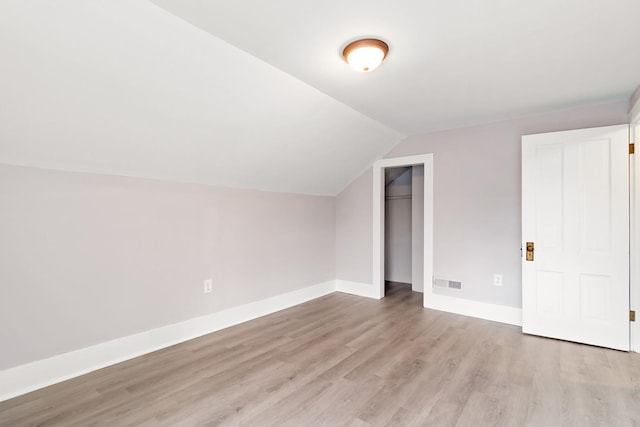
(124, 87)
(452, 63)
(262, 98)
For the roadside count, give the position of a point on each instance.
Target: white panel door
(575, 210)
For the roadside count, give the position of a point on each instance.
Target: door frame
(634, 230)
(379, 166)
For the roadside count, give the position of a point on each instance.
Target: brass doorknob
(530, 249)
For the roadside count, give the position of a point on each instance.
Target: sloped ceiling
(124, 87)
(255, 94)
(452, 63)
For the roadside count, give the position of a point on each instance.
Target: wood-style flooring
(343, 360)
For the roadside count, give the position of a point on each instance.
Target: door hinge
(632, 148)
(632, 316)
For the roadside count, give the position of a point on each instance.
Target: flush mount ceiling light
(365, 54)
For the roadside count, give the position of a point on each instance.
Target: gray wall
(476, 201)
(397, 240)
(354, 236)
(635, 98)
(87, 258)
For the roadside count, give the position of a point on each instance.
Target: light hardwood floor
(345, 360)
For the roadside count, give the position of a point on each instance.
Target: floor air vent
(447, 284)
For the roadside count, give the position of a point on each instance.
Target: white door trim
(378, 219)
(634, 202)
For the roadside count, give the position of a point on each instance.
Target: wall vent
(455, 285)
(447, 284)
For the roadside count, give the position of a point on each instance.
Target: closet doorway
(403, 228)
(421, 253)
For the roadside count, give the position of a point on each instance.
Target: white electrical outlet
(208, 286)
(497, 279)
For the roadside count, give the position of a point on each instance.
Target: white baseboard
(42, 373)
(358, 288)
(481, 310)
(465, 307)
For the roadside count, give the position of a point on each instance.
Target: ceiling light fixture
(366, 54)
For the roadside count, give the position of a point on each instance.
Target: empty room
(298, 213)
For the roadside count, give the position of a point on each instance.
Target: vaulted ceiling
(124, 87)
(452, 63)
(249, 93)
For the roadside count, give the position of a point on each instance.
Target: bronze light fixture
(365, 55)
